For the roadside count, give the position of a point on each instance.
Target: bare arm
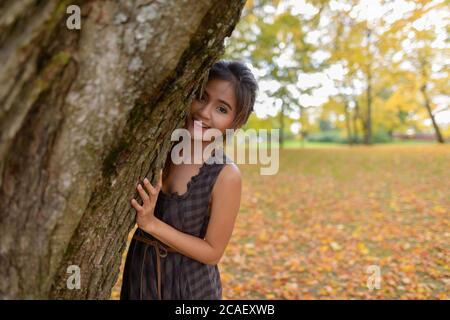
(226, 196)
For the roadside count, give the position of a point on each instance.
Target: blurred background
(360, 92)
(348, 71)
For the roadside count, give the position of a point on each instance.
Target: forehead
(222, 90)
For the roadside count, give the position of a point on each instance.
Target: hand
(145, 216)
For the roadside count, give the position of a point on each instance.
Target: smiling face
(216, 109)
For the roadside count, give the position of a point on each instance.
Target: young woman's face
(216, 109)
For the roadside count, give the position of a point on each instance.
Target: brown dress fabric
(180, 276)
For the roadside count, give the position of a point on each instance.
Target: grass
(294, 144)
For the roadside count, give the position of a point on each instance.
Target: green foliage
(325, 125)
(333, 136)
(375, 86)
(336, 136)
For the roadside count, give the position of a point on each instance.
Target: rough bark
(84, 115)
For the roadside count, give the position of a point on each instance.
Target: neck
(198, 149)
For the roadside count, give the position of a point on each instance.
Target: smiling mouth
(199, 123)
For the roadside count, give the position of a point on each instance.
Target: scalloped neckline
(175, 194)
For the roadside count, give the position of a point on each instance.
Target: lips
(199, 124)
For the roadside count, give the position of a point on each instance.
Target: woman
(186, 221)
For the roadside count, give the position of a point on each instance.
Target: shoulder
(229, 178)
(230, 173)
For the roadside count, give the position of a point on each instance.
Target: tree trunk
(85, 115)
(303, 124)
(282, 126)
(356, 117)
(437, 131)
(347, 123)
(368, 119)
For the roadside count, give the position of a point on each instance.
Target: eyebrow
(223, 101)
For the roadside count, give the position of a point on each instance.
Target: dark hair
(245, 87)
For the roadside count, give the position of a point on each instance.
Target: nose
(204, 112)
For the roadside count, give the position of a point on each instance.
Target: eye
(222, 109)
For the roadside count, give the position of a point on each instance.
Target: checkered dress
(181, 276)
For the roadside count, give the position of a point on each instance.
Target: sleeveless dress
(181, 277)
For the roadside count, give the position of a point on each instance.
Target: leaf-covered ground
(313, 230)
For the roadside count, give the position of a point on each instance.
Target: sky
(366, 9)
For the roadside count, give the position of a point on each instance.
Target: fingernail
(146, 180)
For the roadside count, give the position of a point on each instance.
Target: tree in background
(390, 72)
(270, 34)
(392, 60)
(428, 61)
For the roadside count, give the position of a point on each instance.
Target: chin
(195, 130)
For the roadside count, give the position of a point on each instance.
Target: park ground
(332, 215)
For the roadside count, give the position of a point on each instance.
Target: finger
(136, 205)
(143, 194)
(149, 187)
(160, 179)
